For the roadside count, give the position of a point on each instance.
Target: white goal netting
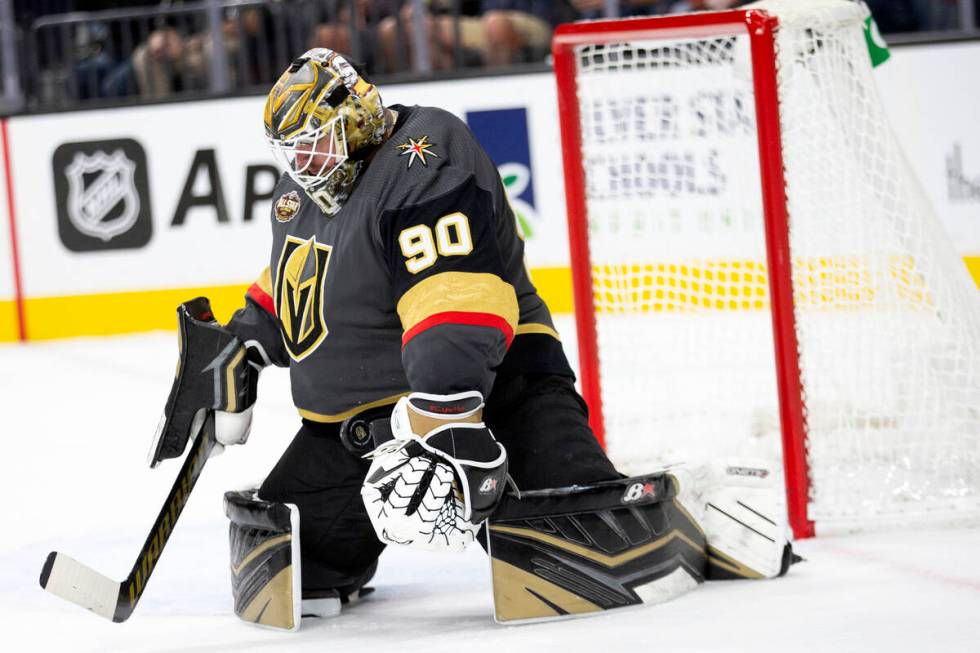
(888, 320)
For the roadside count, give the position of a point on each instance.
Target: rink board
(194, 180)
(8, 305)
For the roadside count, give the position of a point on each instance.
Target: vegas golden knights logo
(300, 278)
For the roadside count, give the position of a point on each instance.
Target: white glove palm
(432, 489)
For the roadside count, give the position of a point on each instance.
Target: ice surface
(76, 418)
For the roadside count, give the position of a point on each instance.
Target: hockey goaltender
(437, 404)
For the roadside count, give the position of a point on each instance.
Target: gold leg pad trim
(273, 605)
(516, 595)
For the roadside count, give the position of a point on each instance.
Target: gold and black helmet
(320, 118)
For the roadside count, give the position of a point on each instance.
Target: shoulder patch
(287, 206)
(417, 149)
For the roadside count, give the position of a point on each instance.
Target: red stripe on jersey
(461, 317)
(263, 298)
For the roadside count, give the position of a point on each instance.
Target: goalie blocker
(215, 371)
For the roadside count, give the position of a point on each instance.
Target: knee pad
(265, 560)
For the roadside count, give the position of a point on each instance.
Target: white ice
(76, 418)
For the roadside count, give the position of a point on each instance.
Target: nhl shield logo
(102, 197)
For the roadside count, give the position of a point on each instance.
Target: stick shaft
(73, 581)
(132, 588)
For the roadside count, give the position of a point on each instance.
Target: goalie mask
(321, 118)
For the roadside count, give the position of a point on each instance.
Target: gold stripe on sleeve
(265, 281)
(537, 328)
(468, 292)
(232, 403)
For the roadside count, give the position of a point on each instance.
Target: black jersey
(417, 284)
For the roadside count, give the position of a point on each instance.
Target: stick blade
(71, 580)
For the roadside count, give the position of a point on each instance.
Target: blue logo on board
(504, 135)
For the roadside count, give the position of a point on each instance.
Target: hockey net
(690, 140)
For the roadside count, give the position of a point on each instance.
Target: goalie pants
(540, 419)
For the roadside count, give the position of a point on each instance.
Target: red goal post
(759, 27)
(758, 274)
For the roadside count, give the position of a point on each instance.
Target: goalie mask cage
(757, 272)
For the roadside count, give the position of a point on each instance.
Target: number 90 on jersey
(422, 246)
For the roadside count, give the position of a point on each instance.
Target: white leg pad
(741, 505)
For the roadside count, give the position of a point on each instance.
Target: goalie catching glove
(440, 476)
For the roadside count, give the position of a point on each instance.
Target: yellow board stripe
(973, 267)
(148, 310)
(554, 285)
(121, 312)
(821, 282)
(8, 321)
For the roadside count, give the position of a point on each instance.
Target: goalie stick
(73, 581)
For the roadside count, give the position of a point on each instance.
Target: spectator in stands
(158, 64)
(395, 33)
(333, 30)
(592, 9)
(97, 73)
(246, 34)
(516, 30)
(170, 62)
(493, 32)
(684, 6)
